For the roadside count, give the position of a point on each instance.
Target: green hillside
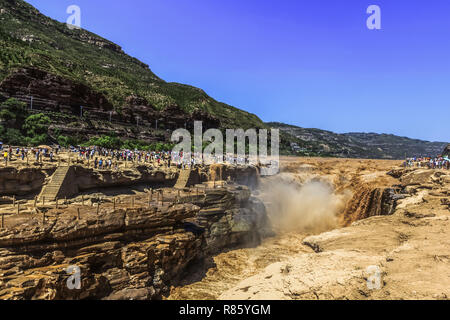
(30, 39)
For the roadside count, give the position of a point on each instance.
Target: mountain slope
(55, 71)
(30, 39)
(357, 145)
(446, 151)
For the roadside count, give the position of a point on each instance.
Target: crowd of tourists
(23, 153)
(104, 158)
(441, 162)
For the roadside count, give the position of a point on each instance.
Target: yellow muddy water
(295, 212)
(229, 268)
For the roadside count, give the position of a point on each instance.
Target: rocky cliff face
(244, 175)
(127, 253)
(22, 181)
(232, 218)
(446, 151)
(27, 181)
(51, 92)
(83, 179)
(61, 98)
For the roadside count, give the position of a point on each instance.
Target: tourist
(439, 162)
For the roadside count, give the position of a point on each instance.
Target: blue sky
(311, 63)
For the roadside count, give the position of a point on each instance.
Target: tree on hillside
(36, 124)
(12, 117)
(13, 113)
(36, 128)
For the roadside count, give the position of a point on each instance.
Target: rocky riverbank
(396, 250)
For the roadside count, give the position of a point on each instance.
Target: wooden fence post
(78, 214)
(114, 203)
(35, 201)
(18, 207)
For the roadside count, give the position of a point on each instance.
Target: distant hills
(356, 145)
(77, 87)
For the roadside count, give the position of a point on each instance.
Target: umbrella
(45, 147)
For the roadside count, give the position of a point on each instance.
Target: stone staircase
(53, 188)
(183, 179)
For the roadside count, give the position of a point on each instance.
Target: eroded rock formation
(52, 92)
(22, 181)
(27, 181)
(126, 253)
